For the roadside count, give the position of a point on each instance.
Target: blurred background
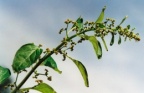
(119, 71)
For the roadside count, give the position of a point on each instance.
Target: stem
(67, 31)
(16, 80)
(42, 59)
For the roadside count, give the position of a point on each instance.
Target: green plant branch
(99, 30)
(44, 58)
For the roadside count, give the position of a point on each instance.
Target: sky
(119, 71)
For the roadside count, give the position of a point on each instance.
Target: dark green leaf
(42, 87)
(128, 26)
(112, 39)
(4, 74)
(82, 70)
(50, 62)
(79, 23)
(96, 45)
(26, 56)
(101, 16)
(119, 41)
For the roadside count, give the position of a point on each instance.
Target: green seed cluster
(102, 29)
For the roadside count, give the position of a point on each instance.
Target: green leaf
(26, 56)
(119, 41)
(112, 39)
(79, 23)
(41, 87)
(44, 88)
(104, 43)
(50, 62)
(128, 26)
(82, 70)
(4, 74)
(123, 20)
(101, 16)
(96, 45)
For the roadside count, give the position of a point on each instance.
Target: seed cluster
(102, 29)
(36, 74)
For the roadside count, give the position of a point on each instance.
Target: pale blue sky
(119, 71)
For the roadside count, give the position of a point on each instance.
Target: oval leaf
(82, 70)
(112, 40)
(50, 62)
(26, 56)
(4, 74)
(41, 87)
(101, 16)
(96, 45)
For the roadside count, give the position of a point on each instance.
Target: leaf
(123, 20)
(82, 70)
(112, 39)
(50, 62)
(4, 74)
(79, 23)
(96, 45)
(26, 56)
(104, 43)
(41, 87)
(44, 88)
(128, 26)
(119, 41)
(101, 16)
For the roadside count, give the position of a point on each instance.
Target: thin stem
(67, 31)
(16, 80)
(29, 74)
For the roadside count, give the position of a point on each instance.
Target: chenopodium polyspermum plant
(76, 32)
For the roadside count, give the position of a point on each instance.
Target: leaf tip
(99, 56)
(58, 71)
(104, 8)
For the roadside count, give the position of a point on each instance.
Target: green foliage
(29, 53)
(44, 88)
(50, 62)
(119, 41)
(4, 74)
(26, 56)
(112, 39)
(82, 70)
(101, 16)
(96, 45)
(79, 24)
(41, 87)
